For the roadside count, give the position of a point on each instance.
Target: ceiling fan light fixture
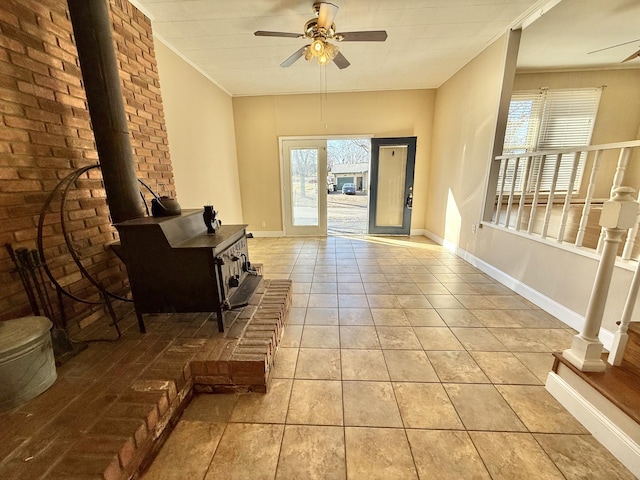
(318, 46)
(330, 50)
(308, 53)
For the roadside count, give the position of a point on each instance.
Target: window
(549, 120)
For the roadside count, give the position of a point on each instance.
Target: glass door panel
(392, 165)
(391, 196)
(304, 186)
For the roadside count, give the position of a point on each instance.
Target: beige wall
(618, 117)
(464, 125)
(259, 121)
(199, 118)
(559, 274)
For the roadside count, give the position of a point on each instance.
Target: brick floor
(111, 405)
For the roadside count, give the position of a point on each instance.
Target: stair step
(634, 328)
(619, 385)
(631, 357)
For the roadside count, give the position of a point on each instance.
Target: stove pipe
(92, 30)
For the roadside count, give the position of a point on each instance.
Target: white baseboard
(562, 313)
(264, 233)
(623, 447)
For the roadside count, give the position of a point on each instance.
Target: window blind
(550, 120)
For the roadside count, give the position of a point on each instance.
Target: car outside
(349, 189)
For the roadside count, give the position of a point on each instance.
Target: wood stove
(174, 265)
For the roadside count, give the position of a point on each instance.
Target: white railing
(520, 186)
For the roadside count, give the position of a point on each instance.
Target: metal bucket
(27, 366)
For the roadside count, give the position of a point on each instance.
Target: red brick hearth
(115, 403)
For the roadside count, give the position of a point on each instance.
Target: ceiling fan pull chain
(321, 97)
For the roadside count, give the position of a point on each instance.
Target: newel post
(618, 215)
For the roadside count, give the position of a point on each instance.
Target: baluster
(523, 195)
(621, 337)
(621, 169)
(631, 239)
(552, 191)
(536, 194)
(514, 179)
(505, 164)
(588, 199)
(567, 200)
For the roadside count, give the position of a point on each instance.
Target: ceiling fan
(636, 54)
(320, 30)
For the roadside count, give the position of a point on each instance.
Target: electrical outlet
(264, 224)
(473, 228)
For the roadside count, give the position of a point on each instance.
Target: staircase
(606, 403)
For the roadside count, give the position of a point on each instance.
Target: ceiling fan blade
(292, 59)
(631, 57)
(261, 33)
(340, 61)
(326, 15)
(368, 36)
(613, 46)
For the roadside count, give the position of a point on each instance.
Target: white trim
(539, 11)
(265, 233)
(587, 148)
(193, 65)
(564, 314)
(575, 69)
(418, 231)
(621, 445)
(325, 137)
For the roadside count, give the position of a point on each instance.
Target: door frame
(376, 143)
(283, 179)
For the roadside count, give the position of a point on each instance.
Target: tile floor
(398, 361)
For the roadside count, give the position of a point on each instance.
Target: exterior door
(304, 182)
(391, 196)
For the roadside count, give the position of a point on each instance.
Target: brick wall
(45, 134)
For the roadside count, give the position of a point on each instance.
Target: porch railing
(565, 212)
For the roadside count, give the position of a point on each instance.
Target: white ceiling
(429, 40)
(564, 37)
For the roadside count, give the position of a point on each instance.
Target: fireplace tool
(29, 266)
